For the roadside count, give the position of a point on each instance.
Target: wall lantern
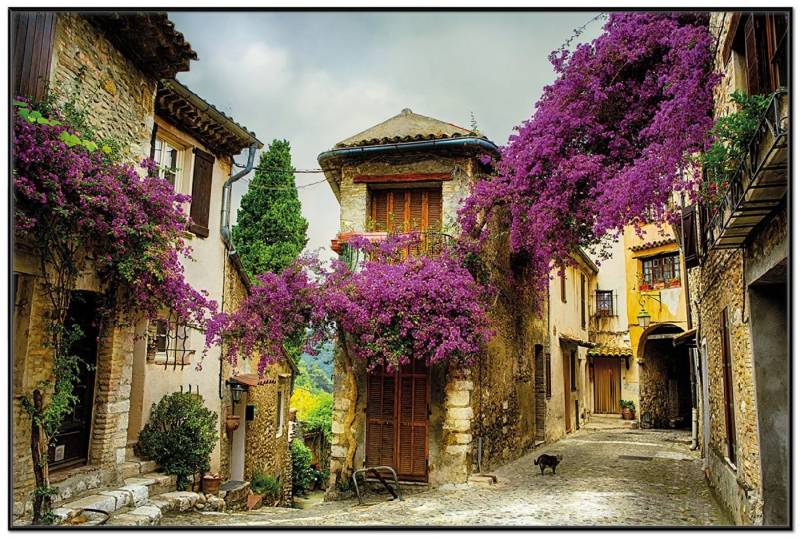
(643, 317)
(237, 389)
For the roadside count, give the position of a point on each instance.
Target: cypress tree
(270, 231)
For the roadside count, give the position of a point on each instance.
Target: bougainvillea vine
(607, 142)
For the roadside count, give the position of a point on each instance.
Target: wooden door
(71, 446)
(607, 386)
(397, 421)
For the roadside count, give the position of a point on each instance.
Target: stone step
(151, 512)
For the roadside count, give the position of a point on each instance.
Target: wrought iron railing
(770, 137)
(422, 244)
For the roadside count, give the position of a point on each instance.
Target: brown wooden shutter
(32, 38)
(380, 445)
(583, 301)
(690, 254)
(727, 375)
(412, 447)
(201, 192)
(548, 378)
(379, 211)
(435, 210)
(754, 67)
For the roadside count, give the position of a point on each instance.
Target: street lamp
(643, 317)
(237, 390)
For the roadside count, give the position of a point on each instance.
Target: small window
(162, 335)
(168, 160)
(170, 344)
(604, 301)
(661, 271)
(279, 414)
(727, 388)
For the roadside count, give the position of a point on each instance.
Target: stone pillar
(457, 429)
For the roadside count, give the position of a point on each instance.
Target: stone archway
(665, 398)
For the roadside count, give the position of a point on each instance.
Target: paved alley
(609, 476)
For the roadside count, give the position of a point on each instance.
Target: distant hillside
(316, 372)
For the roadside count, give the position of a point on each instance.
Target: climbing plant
(607, 142)
(78, 208)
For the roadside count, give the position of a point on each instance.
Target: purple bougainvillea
(607, 142)
(394, 308)
(70, 194)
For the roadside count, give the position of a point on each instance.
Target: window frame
(660, 270)
(601, 297)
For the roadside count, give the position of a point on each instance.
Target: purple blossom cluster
(397, 307)
(607, 142)
(132, 225)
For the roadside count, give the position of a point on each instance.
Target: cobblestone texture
(596, 484)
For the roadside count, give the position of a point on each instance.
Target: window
(661, 271)
(761, 42)
(727, 382)
(548, 381)
(162, 335)
(393, 210)
(604, 303)
(169, 344)
(583, 301)
(167, 159)
(279, 414)
(563, 277)
(573, 371)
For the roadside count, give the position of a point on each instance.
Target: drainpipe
(225, 232)
(692, 351)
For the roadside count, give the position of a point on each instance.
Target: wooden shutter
(380, 444)
(434, 210)
(201, 192)
(406, 210)
(412, 447)
(548, 379)
(689, 230)
(754, 81)
(32, 40)
(727, 375)
(379, 210)
(583, 301)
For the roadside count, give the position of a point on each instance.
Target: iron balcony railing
(426, 244)
(758, 185)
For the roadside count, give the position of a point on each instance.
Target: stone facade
(120, 99)
(118, 95)
(728, 280)
(490, 405)
(265, 448)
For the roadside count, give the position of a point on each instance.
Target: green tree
(270, 231)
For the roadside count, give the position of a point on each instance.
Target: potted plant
(232, 423)
(628, 409)
(644, 287)
(211, 483)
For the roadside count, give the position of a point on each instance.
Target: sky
(315, 78)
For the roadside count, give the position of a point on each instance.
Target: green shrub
(265, 484)
(302, 474)
(180, 435)
(627, 403)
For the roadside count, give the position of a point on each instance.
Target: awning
(610, 351)
(575, 340)
(250, 380)
(686, 337)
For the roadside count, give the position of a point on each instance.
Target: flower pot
(627, 414)
(211, 484)
(232, 423)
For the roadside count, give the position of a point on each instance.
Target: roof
(148, 39)
(407, 127)
(190, 112)
(653, 244)
(610, 351)
(571, 339)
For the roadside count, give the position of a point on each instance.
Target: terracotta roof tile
(654, 244)
(610, 351)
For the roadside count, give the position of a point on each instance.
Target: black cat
(546, 460)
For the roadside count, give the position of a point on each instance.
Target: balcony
(759, 184)
(427, 244)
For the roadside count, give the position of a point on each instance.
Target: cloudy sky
(317, 78)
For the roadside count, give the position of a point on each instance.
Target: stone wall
(116, 94)
(119, 100)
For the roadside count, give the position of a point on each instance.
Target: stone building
(737, 254)
(107, 59)
(411, 172)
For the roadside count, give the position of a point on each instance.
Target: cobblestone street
(609, 476)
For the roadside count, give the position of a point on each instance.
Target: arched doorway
(665, 396)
